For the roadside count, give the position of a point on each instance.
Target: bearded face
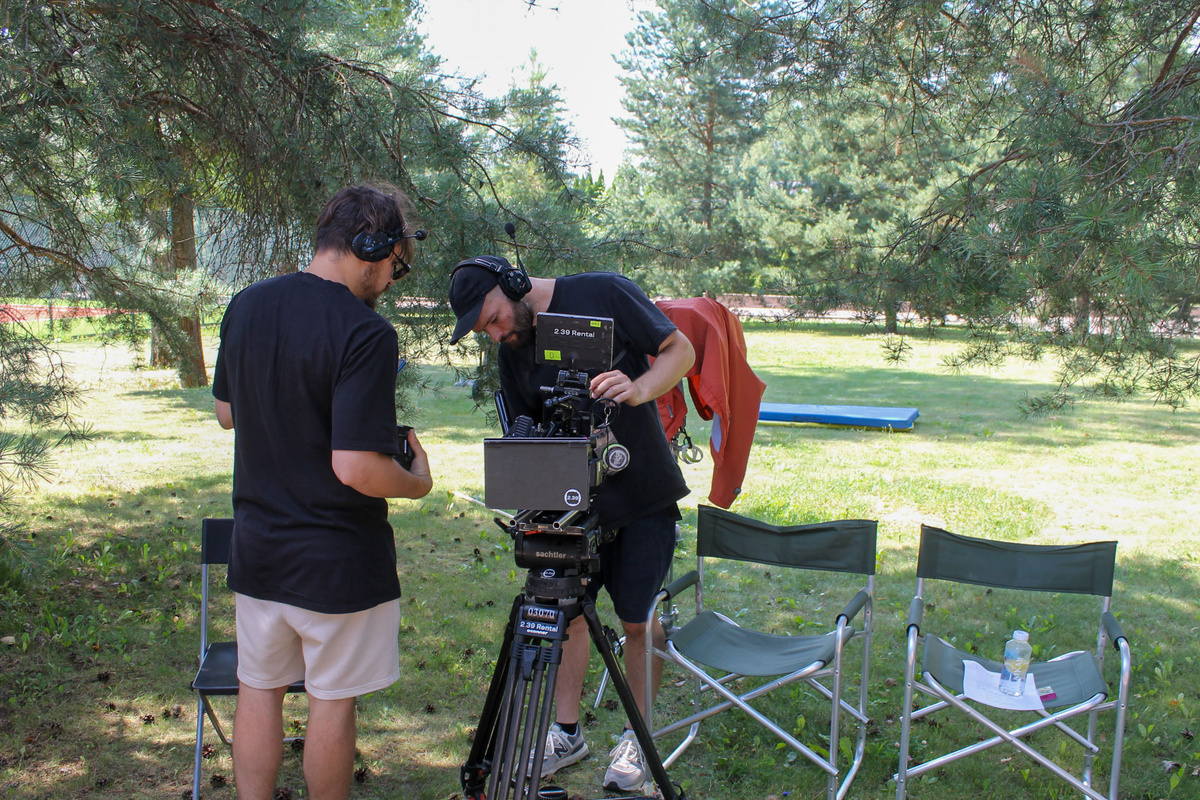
(522, 333)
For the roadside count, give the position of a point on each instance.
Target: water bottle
(1017, 655)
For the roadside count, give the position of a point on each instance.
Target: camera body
(549, 471)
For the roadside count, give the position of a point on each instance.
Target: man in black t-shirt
(489, 296)
(305, 377)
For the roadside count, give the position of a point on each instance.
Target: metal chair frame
(813, 673)
(217, 672)
(1008, 558)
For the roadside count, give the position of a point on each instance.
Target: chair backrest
(1078, 569)
(840, 546)
(215, 538)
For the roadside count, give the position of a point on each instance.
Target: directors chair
(1059, 689)
(717, 651)
(218, 660)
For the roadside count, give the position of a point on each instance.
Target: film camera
(548, 471)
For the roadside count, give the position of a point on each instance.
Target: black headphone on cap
(378, 246)
(513, 282)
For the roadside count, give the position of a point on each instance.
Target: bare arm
(675, 357)
(378, 475)
(224, 413)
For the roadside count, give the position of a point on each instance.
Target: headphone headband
(513, 282)
(378, 246)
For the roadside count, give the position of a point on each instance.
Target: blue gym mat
(900, 419)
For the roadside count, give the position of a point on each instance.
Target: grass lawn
(98, 645)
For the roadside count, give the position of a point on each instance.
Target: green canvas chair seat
(1073, 676)
(1042, 573)
(716, 651)
(718, 642)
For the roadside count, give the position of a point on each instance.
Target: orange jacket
(723, 388)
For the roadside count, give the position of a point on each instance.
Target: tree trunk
(1083, 313)
(891, 309)
(160, 354)
(192, 373)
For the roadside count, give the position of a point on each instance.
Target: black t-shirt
(308, 368)
(652, 481)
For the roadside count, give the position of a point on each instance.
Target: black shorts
(634, 565)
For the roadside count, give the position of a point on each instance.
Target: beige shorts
(336, 655)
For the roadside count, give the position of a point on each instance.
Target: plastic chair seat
(713, 640)
(1073, 676)
(218, 670)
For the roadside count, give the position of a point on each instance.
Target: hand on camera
(419, 467)
(617, 386)
(414, 461)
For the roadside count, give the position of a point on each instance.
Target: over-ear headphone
(378, 245)
(513, 282)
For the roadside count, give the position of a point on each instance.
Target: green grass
(94, 698)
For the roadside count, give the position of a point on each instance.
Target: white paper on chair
(979, 683)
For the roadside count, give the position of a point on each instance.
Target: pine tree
(828, 194)
(156, 156)
(693, 114)
(1075, 233)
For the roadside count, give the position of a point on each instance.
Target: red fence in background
(17, 312)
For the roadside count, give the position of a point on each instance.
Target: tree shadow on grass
(140, 515)
(200, 399)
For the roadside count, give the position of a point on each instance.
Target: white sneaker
(627, 770)
(562, 749)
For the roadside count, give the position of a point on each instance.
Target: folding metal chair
(717, 651)
(218, 660)
(1068, 686)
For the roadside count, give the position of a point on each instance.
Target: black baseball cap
(468, 288)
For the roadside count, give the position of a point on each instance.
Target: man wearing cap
(637, 505)
(306, 378)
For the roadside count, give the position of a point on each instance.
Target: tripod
(510, 741)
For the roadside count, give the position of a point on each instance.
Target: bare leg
(635, 668)
(257, 742)
(329, 748)
(568, 690)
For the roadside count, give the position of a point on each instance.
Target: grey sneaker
(627, 771)
(562, 749)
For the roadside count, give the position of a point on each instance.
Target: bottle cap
(1021, 636)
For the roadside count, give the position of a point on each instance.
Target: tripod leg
(522, 700)
(537, 712)
(511, 738)
(473, 774)
(653, 761)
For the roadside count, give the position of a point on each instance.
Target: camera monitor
(575, 343)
